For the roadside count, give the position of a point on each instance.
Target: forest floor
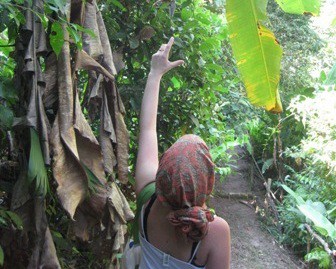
(252, 246)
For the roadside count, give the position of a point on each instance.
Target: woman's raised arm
(147, 159)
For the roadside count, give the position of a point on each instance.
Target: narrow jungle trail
(252, 247)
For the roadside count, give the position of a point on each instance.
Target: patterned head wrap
(184, 180)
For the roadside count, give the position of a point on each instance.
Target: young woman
(176, 228)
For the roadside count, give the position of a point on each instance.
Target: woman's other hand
(160, 63)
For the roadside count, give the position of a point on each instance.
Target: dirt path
(251, 246)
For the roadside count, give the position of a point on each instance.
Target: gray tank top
(154, 258)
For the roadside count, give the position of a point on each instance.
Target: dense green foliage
(201, 97)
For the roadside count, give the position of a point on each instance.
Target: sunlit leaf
(300, 6)
(56, 37)
(257, 52)
(176, 82)
(37, 173)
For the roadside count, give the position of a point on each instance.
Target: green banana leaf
(37, 172)
(313, 211)
(300, 6)
(319, 220)
(257, 52)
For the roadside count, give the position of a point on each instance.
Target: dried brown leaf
(92, 44)
(107, 136)
(85, 61)
(71, 178)
(32, 213)
(108, 56)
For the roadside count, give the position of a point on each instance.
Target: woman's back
(166, 245)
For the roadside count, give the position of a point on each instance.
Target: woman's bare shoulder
(219, 231)
(219, 225)
(218, 235)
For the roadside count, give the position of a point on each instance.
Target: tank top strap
(144, 215)
(195, 252)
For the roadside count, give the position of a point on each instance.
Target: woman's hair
(184, 180)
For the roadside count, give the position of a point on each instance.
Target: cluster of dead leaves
(83, 165)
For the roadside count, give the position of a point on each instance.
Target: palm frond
(37, 173)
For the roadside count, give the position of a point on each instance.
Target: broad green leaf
(300, 6)
(267, 164)
(318, 219)
(36, 168)
(257, 52)
(298, 198)
(2, 256)
(56, 37)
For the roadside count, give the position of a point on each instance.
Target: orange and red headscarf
(184, 181)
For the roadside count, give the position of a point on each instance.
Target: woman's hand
(160, 63)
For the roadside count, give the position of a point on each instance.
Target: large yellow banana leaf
(257, 52)
(300, 6)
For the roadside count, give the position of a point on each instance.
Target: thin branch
(256, 165)
(331, 253)
(231, 195)
(271, 203)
